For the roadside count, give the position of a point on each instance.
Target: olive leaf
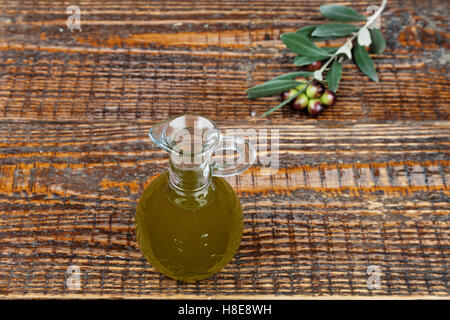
(292, 75)
(286, 101)
(306, 31)
(301, 45)
(334, 75)
(303, 60)
(270, 88)
(319, 39)
(334, 29)
(281, 104)
(378, 43)
(364, 38)
(330, 50)
(364, 62)
(341, 13)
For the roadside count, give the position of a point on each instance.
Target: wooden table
(366, 184)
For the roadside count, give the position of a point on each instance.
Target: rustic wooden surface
(365, 184)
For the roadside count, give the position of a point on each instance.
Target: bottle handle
(227, 167)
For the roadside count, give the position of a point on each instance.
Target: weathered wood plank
(365, 184)
(151, 61)
(68, 194)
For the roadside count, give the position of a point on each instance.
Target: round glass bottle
(189, 220)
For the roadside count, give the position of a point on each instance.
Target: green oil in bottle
(189, 237)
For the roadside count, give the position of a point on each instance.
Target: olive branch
(302, 41)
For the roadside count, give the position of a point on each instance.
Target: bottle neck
(189, 179)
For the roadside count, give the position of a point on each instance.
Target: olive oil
(189, 220)
(189, 236)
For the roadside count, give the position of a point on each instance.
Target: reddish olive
(315, 90)
(301, 102)
(316, 65)
(288, 94)
(328, 98)
(303, 80)
(314, 107)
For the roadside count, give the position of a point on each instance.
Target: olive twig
(349, 41)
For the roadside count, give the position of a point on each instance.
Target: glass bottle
(189, 220)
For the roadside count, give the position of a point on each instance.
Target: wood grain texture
(336, 205)
(150, 60)
(367, 183)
